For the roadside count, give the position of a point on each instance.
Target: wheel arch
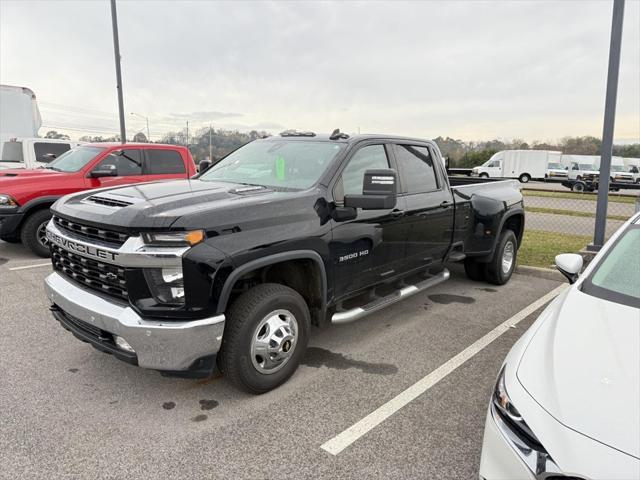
(35, 205)
(274, 268)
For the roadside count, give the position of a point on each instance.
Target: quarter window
(367, 158)
(164, 162)
(127, 162)
(416, 168)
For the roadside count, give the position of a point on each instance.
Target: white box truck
(521, 164)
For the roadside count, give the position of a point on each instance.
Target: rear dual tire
(499, 270)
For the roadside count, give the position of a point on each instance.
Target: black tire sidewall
(29, 233)
(525, 178)
(494, 271)
(236, 360)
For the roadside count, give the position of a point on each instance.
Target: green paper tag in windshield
(280, 168)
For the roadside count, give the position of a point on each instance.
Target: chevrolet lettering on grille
(86, 250)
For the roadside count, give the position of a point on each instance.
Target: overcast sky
(466, 69)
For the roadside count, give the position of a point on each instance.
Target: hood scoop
(108, 201)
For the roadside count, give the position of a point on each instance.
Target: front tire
(265, 337)
(484, 175)
(10, 238)
(578, 187)
(33, 233)
(500, 268)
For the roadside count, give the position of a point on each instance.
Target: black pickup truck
(233, 266)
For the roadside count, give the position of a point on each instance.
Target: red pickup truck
(26, 195)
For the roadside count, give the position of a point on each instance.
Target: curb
(546, 273)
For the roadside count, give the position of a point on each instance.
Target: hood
(179, 204)
(14, 180)
(583, 367)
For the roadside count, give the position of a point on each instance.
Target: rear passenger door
(162, 164)
(428, 204)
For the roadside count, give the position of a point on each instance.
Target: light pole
(116, 52)
(607, 130)
(147, 119)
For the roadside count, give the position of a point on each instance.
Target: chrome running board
(354, 314)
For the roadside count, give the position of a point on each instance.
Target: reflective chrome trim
(381, 302)
(132, 253)
(539, 463)
(160, 345)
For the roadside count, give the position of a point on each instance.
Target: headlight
(510, 414)
(191, 238)
(7, 201)
(166, 284)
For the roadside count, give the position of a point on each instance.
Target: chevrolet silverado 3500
(233, 266)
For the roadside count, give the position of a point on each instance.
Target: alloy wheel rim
(507, 257)
(274, 341)
(41, 234)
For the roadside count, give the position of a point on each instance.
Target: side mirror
(378, 191)
(569, 264)
(48, 157)
(104, 171)
(204, 165)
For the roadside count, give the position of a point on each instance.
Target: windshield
(279, 164)
(617, 168)
(556, 166)
(12, 152)
(588, 166)
(617, 277)
(74, 159)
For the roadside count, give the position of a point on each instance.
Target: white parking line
(341, 441)
(48, 264)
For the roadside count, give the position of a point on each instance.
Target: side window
(164, 162)
(128, 162)
(416, 168)
(45, 150)
(575, 167)
(369, 157)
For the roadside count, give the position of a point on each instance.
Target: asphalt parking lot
(69, 411)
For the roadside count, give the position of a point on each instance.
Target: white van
(521, 164)
(633, 167)
(32, 152)
(619, 171)
(582, 167)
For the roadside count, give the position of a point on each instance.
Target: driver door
(128, 164)
(370, 247)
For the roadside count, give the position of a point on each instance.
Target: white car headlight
(510, 414)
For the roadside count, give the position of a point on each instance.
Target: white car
(567, 401)
(555, 170)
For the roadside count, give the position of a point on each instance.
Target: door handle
(397, 213)
(445, 204)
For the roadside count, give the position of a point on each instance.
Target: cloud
(473, 70)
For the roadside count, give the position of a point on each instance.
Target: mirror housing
(569, 265)
(378, 191)
(204, 165)
(104, 171)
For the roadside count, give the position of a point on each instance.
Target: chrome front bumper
(159, 345)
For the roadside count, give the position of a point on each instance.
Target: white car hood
(583, 367)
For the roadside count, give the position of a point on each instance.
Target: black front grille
(102, 277)
(109, 202)
(88, 328)
(90, 233)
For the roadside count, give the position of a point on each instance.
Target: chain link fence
(562, 221)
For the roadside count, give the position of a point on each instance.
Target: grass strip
(572, 213)
(577, 196)
(539, 248)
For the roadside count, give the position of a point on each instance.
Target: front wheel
(484, 175)
(578, 187)
(34, 233)
(500, 268)
(10, 238)
(265, 337)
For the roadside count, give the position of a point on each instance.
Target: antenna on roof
(336, 135)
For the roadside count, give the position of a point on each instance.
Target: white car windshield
(556, 166)
(617, 277)
(588, 166)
